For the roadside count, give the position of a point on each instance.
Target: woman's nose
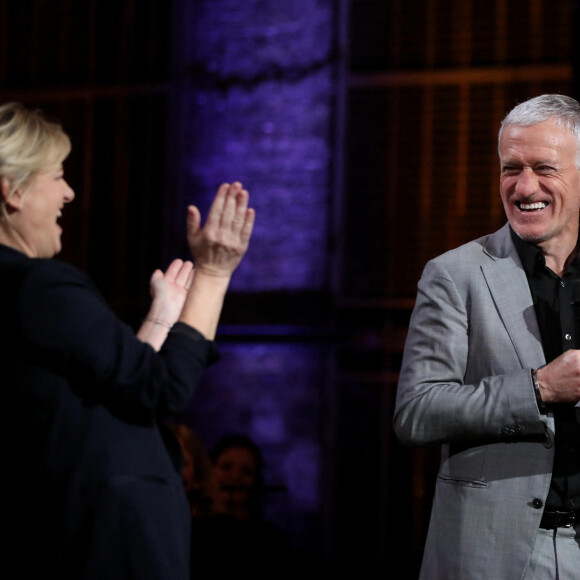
(69, 193)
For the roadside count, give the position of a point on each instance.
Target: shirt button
(568, 336)
(537, 503)
(562, 283)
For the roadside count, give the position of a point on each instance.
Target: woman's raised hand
(219, 246)
(217, 249)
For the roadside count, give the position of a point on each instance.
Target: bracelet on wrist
(541, 405)
(159, 322)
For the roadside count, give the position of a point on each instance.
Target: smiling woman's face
(38, 207)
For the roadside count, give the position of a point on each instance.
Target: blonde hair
(29, 144)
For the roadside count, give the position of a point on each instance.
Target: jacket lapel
(510, 292)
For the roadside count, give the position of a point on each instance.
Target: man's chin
(534, 236)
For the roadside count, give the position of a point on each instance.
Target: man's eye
(507, 170)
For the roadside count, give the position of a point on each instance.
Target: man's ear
(12, 199)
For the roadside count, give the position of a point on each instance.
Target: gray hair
(562, 110)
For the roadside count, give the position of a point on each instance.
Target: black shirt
(552, 298)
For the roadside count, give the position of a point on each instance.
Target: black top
(552, 298)
(81, 400)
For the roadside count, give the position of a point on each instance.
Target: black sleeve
(66, 327)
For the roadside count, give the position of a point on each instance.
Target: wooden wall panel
(102, 69)
(424, 109)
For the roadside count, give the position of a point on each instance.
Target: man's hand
(219, 246)
(560, 380)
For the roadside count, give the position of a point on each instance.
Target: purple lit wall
(255, 103)
(273, 394)
(257, 88)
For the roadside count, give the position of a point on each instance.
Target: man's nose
(527, 183)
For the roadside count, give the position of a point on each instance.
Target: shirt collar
(529, 254)
(532, 256)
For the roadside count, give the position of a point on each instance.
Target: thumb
(155, 277)
(193, 221)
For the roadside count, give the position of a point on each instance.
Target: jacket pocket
(462, 481)
(464, 464)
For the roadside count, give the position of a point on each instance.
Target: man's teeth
(537, 205)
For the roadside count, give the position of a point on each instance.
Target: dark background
(366, 133)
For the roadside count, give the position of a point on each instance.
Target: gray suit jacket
(466, 383)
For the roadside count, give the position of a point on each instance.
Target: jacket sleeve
(67, 328)
(460, 377)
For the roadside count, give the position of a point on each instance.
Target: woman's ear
(12, 199)
(5, 186)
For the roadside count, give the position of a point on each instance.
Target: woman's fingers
(248, 226)
(184, 274)
(228, 208)
(172, 271)
(219, 246)
(178, 272)
(218, 206)
(241, 208)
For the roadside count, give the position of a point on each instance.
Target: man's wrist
(536, 384)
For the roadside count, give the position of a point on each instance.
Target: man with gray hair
(491, 369)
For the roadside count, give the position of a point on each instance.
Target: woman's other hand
(168, 290)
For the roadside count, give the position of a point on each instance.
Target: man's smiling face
(540, 183)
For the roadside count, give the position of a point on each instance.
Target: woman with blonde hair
(92, 490)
